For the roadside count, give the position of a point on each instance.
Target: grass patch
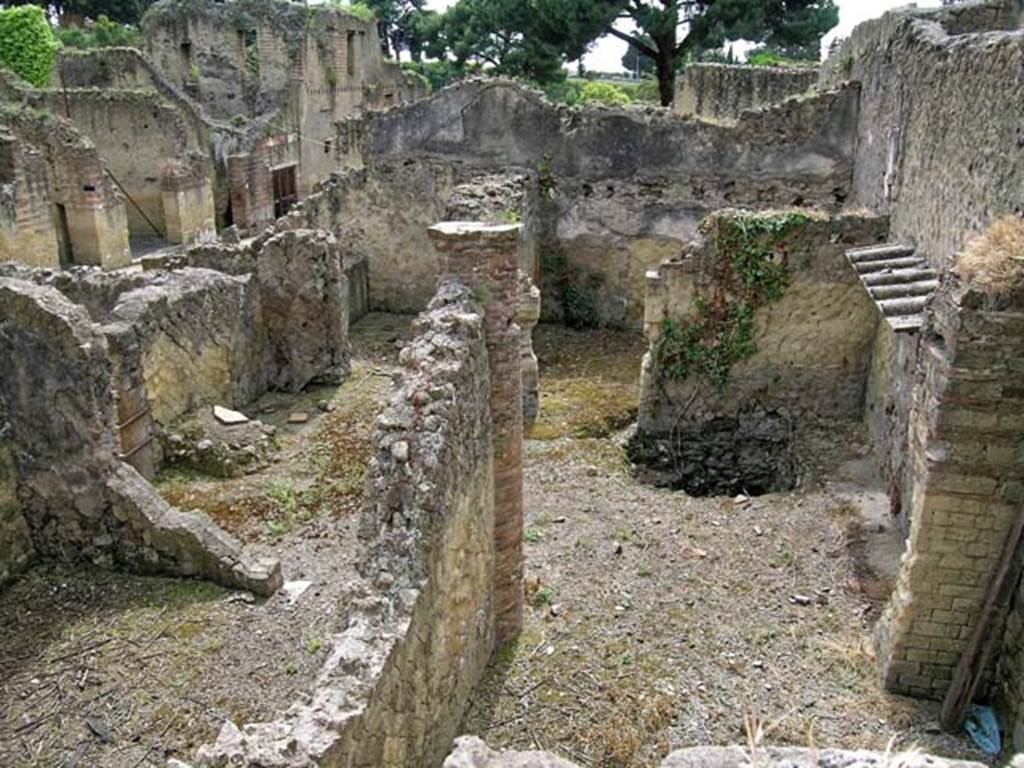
(994, 259)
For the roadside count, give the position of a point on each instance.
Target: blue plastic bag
(983, 728)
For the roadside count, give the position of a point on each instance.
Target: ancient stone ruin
(372, 539)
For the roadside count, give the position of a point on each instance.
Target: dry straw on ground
(994, 259)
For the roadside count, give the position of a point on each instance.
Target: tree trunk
(666, 64)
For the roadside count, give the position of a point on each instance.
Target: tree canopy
(74, 12)
(533, 38)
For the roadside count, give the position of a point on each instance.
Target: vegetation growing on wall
(750, 271)
(103, 33)
(27, 44)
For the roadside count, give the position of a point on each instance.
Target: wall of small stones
(726, 91)
(618, 191)
(962, 68)
(422, 630)
(197, 337)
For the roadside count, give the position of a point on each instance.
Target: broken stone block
(228, 416)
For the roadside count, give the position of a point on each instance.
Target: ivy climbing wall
(759, 324)
(763, 309)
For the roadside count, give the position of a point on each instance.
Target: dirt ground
(656, 620)
(659, 621)
(106, 670)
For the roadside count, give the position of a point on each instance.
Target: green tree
(502, 35)
(637, 63)
(397, 23)
(678, 29)
(517, 35)
(75, 12)
(27, 44)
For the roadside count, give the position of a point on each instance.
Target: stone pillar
(526, 318)
(486, 257)
(964, 472)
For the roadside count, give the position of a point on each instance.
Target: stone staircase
(900, 282)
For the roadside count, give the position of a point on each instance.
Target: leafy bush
(438, 74)
(772, 59)
(103, 33)
(27, 44)
(604, 93)
(362, 12)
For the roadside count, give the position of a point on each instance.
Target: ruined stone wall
(137, 135)
(94, 215)
(1011, 669)
(186, 193)
(250, 178)
(113, 69)
(393, 691)
(964, 471)
(813, 343)
(16, 550)
(79, 500)
(199, 340)
(939, 140)
(28, 232)
(381, 214)
(620, 191)
(726, 91)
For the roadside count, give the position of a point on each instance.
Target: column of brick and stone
(485, 258)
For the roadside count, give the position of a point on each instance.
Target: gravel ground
(108, 670)
(659, 621)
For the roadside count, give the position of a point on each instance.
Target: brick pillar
(965, 469)
(485, 257)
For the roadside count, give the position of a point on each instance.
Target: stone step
(900, 282)
(906, 323)
(897, 277)
(902, 290)
(888, 265)
(903, 306)
(879, 252)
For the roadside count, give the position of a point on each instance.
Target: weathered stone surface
(958, 67)
(304, 309)
(78, 499)
(471, 752)
(726, 91)
(620, 191)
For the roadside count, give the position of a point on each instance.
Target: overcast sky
(606, 55)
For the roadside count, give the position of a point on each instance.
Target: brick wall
(486, 257)
(965, 463)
